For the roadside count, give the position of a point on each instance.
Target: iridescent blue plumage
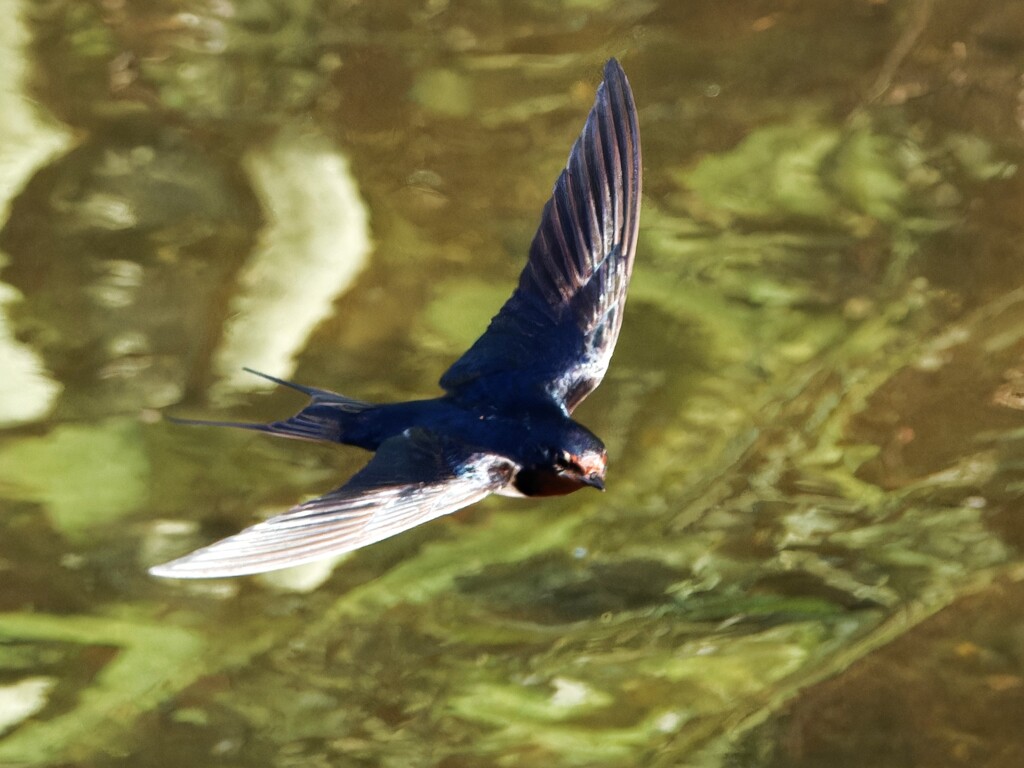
(504, 424)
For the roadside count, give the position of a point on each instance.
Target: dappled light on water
(813, 414)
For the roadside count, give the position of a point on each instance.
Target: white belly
(510, 490)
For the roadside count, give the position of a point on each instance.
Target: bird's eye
(563, 460)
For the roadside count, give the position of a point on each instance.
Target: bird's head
(569, 459)
(582, 458)
(586, 469)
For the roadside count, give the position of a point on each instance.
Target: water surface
(809, 553)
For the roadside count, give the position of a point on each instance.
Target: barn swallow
(504, 423)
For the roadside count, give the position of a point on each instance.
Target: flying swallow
(504, 423)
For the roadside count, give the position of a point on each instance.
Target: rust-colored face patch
(591, 463)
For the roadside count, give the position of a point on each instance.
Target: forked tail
(323, 419)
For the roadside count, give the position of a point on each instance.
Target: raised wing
(412, 478)
(552, 340)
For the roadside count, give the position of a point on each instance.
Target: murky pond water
(809, 553)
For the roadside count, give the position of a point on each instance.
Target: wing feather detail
(553, 339)
(413, 478)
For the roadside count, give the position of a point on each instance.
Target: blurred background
(810, 550)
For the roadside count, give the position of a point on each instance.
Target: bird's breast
(544, 482)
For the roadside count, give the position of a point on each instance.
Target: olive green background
(810, 550)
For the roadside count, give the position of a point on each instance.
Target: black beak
(594, 482)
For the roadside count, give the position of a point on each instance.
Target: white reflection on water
(316, 241)
(31, 139)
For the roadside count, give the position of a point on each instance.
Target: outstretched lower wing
(412, 478)
(553, 339)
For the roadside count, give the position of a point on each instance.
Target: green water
(809, 552)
